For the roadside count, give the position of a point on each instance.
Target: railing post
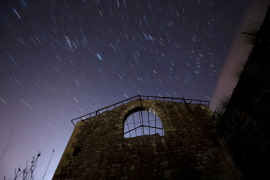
(187, 105)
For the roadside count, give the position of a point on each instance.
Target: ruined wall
(245, 126)
(189, 149)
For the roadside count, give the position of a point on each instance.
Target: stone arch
(137, 109)
(142, 105)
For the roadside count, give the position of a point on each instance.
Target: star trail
(63, 59)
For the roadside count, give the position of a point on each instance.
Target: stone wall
(189, 149)
(246, 123)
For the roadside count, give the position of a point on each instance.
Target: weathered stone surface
(188, 150)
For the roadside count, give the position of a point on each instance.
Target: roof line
(139, 97)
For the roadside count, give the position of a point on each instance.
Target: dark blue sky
(63, 59)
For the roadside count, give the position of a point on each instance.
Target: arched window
(142, 123)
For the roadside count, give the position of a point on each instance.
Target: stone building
(192, 145)
(188, 148)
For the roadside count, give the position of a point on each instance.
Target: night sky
(61, 59)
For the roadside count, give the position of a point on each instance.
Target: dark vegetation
(250, 33)
(27, 173)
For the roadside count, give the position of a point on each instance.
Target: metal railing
(139, 97)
